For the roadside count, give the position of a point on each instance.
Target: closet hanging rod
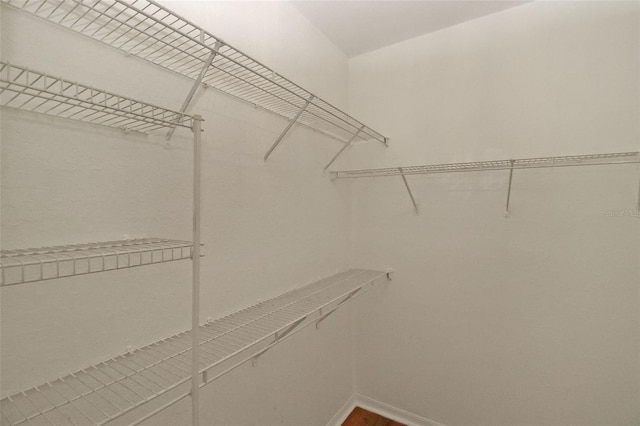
(26, 89)
(525, 163)
(149, 31)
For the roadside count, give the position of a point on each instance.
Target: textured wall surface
(532, 319)
(267, 227)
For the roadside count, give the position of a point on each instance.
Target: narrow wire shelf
(147, 30)
(35, 91)
(527, 163)
(103, 392)
(46, 263)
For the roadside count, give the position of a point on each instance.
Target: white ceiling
(360, 26)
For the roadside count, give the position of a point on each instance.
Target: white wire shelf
(152, 32)
(106, 391)
(35, 91)
(527, 163)
(46, 263)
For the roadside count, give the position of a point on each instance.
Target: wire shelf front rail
(526, 163)
(106, 391)
(147, 30)
(46, 263)
(26, 89)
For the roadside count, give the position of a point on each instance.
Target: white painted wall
(277, 35)
(267, 227)
(526, 320)
(492, 321)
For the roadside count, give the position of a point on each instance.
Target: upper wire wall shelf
(152, 32)
(35, 91)
(527, 163)
(99, 394)
(510, 165)
(38, 264)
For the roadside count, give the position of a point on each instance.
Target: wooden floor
(361, 417)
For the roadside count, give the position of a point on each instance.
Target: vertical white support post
(195, 261)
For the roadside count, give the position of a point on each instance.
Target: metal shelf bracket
(288, 128)
(278, 336)
(406, 184)
(196, 84)
(346, 145)
(335, 308)
(507, 211)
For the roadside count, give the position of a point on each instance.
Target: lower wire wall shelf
(45, 263)
(161, 372)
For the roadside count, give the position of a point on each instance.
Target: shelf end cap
(389, 273)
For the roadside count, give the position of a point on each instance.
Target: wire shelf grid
(31, 90)
(147, 30)
(527, 163)
(37, 264)
(106, 391)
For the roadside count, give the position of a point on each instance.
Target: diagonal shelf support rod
(288, 128)
(196, 84)
(335, 157)
(507, 210)
(342, 302)
(406, 184)
(278, 337)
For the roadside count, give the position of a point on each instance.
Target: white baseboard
(343, 412)
(385, 410)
